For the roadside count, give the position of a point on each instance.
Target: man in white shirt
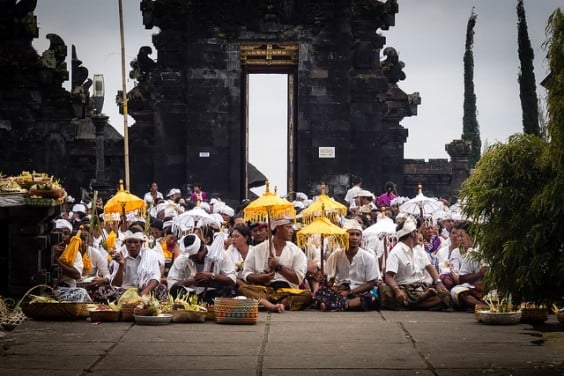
(352, 274)
(356, 182)
(137, 267)
(405, 275)
(275, 270)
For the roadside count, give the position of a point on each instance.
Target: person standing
(198, 194)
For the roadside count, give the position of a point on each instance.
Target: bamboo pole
(124, 98)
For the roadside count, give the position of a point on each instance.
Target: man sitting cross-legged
(406, 267)
(352, 274)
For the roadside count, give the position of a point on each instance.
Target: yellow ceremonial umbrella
(124, 202)
(323, 206)
(323, 226)
(266, 207)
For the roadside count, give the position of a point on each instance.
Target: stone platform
(293, 343)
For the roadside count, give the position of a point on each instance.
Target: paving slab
(304, 343)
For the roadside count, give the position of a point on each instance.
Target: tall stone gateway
(344, 106)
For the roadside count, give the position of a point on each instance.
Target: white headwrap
(352, 224)
(280, 222)
(191, 249)
(79, 208)
(173, 191)
(227, 210)
(63, 223)
(408, 227)
(133, 235)
(205, 206)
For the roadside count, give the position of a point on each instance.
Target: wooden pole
(124, 98)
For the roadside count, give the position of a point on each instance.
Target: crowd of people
(427, 263)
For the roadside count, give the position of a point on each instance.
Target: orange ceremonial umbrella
(266, 207)
(323, 226)
(323, 206)
(124, 202)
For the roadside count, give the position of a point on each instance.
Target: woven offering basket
(534, 315)
(127, 311)
(56, 311)
(104, 316)
(236, 311)
(500, 318)
(560, 317)
(184, 316)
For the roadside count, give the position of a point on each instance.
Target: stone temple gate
(344, 106)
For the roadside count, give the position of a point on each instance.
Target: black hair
(189, 240)
(356, 180)
(243, 230)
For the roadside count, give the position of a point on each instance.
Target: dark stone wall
(195, 90)
(42, 125)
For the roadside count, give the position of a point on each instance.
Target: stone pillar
(459, 151)
(100, 183)
(100, 123)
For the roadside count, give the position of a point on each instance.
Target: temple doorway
(269, 74)
(268, 129)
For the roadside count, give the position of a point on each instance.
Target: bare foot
(279, 308)
(322, 307)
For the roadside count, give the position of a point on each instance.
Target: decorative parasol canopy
(421, 205)
(124, 202)
(323, 206)
(323, 226)
(268, 206)
(195, 217)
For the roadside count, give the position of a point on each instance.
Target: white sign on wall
(204, 154)
(326, 152)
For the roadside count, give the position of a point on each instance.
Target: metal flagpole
(124, 98)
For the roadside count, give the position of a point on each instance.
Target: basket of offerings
(127, 311)
(236, 311)
(104, 313)
(500, 318)
(56, 311)
(186, 316)
(532, 313)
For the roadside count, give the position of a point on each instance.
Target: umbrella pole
(385, 255)
(269, 234)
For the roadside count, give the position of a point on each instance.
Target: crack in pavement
(105, 353)
(429, 365)
(260, 358)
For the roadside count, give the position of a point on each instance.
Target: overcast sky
(429, 36)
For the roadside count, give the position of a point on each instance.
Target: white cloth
(182, 268)
(237, 259)
(78, 265)
(408, 264)
(351, 194)
(448, 260)
(149, 198)
(140, 270)
(99, 263)
(291, 257)
(361, 270)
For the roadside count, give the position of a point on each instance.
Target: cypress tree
(527, 84)
(471, 129)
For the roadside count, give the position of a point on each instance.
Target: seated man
(468, 293)
(405, 275)
(67, 256)
(352, 273)
(275, 275)
(216, 278)
(138, 267)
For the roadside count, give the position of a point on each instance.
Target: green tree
(516, 197)
(526, 78)
(470, 127)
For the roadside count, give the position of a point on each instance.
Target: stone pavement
(293, 343)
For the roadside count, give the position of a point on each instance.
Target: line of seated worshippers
(419, 268)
